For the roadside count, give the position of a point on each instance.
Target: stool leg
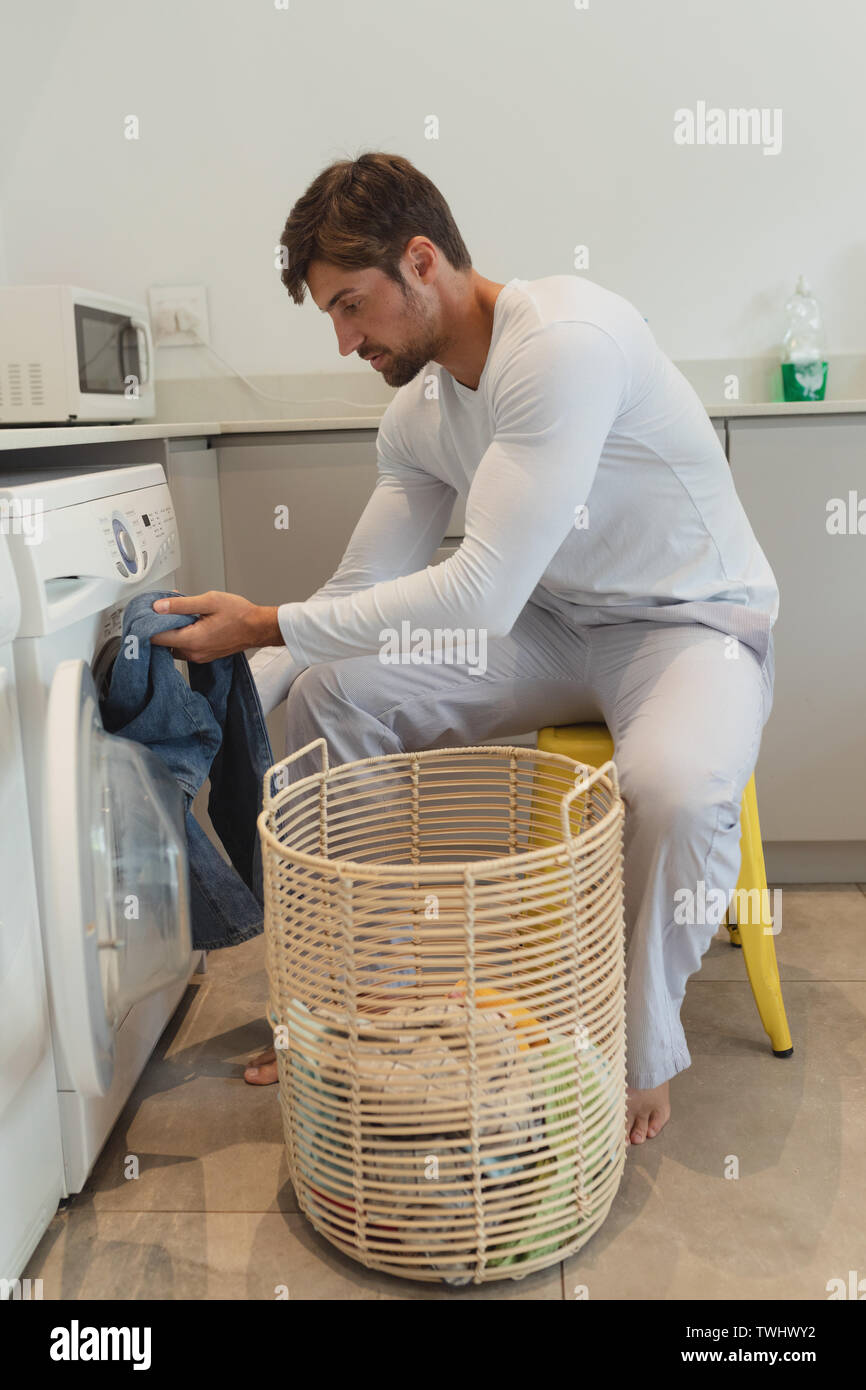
(755, 932)
(734, 933)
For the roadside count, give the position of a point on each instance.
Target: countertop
(42, 436)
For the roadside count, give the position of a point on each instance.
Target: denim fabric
(212, 727)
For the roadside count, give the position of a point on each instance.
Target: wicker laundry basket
(445, 954)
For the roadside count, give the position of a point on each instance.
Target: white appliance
(31, 1161)
(106, 815)
(71, 354)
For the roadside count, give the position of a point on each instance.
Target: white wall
(556, 128)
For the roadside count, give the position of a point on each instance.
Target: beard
(423, 344)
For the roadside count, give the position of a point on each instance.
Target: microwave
(69, 355)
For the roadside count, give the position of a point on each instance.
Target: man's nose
(348, 340)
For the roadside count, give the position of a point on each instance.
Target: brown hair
(361, 212)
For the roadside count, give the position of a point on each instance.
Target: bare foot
(648, 1112)
(262, 1070)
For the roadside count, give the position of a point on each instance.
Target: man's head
(375, 242)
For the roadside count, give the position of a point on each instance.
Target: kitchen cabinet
(811, 773)
(289, 505)
(191, 473)
(323, 480)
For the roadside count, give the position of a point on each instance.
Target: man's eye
(350, 308)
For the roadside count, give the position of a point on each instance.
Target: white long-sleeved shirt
(592, 476)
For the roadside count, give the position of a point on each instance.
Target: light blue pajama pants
(686, 718)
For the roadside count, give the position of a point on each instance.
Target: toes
(657, 1121)
(638, 1130)
(647, 1113)
(261, 1076)
(262, 1070)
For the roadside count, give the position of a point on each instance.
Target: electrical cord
(285, 400)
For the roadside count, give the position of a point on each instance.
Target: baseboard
(815, 861)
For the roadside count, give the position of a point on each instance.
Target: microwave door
(107, 351)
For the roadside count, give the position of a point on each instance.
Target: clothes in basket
(411, 1060)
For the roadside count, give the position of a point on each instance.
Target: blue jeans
(212, 727)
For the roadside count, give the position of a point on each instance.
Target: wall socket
(178, 315)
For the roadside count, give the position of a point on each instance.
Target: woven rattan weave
(444, 937)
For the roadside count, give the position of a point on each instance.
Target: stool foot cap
(783, 1052)
(737, 945)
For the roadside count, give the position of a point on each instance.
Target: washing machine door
(24, 1028)
(118, 924)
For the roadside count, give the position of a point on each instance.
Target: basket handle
(275, 775)
(583, 785)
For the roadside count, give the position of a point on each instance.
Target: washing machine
(31, 1159)
(106, 816)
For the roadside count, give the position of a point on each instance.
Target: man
(607, 560)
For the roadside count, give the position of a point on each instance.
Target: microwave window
(107, 350)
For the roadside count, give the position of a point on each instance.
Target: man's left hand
(227, 624)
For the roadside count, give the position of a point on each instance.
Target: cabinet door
(191, 473)
(317, 481)
(811, 773)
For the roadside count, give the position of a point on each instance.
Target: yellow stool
(593, 745)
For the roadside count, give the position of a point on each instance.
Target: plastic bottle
(804, 367)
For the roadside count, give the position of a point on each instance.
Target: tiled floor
(213, 1215)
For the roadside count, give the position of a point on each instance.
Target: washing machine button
(144, 559)
(121, 569)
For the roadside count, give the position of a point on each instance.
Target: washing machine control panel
(139, 538)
